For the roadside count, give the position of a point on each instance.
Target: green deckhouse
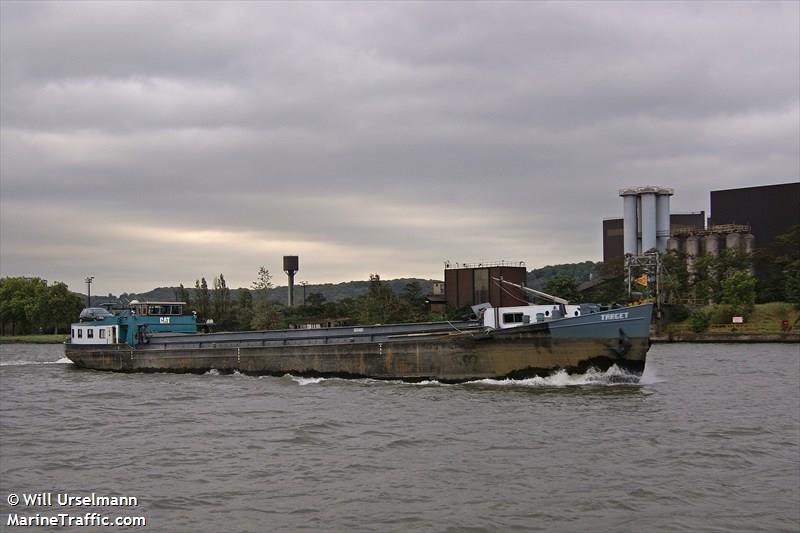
(132, 326)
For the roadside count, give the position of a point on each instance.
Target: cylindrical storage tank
(749, 243)
(662, 219)
(648, 221)
(692, 246)
(712, 244)
(674, 244)
(748, 247)
(733, 242)
(629, 222)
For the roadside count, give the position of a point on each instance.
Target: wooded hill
(332, 292)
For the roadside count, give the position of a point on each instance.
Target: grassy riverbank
(33, 339)
(765, 319)
(764, 324)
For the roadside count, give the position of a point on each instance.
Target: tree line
(252, 309)
(31, 305)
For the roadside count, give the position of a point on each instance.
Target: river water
(707, 440)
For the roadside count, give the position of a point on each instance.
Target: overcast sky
(148, 144)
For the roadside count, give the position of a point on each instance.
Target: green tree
(792, 286)
(60, 307)
(379, 305)
(703, 279)
(28, 305)
(265, 314)
(345, 309)
(739, 291)
(613, 288)
(221, 299)
(675, 278)
(313, 308)
(315, 299)
(710, 272)
(698, 320)
(243, 312)
(263, 282)
(202, 297)
(182, 295)
(21, 303)
(580, 272)
(414, 306)
(563, 287)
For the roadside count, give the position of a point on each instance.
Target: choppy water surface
(708, 440)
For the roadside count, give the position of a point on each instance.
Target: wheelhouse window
(72, 331)
(157, 308)
(89, 333)
(512, 318)
(80, 333)
(101, 334)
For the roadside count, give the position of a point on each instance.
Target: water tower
(291, 264)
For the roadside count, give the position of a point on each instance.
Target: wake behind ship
(503, 342)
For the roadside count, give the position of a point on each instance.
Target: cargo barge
(505, 342)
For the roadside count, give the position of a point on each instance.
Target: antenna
(89, 280)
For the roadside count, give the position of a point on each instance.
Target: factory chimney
(291, 264)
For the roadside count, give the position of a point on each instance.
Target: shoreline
(727, 337)
(34, 339)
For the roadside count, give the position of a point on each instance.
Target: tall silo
(692, 251)
(629, 225)
(692, 246)
(648, 197)
(662, 218)
(748, 246)
(674, 244)
(733, 242)
(711, 242)
(749, 243)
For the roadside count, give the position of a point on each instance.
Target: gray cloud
(371, 137)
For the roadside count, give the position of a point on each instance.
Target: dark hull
(539, 349)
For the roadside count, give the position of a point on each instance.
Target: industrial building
(469, 284)
(741, 219)
(437, 298)
(613, 231)
(769, 210)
